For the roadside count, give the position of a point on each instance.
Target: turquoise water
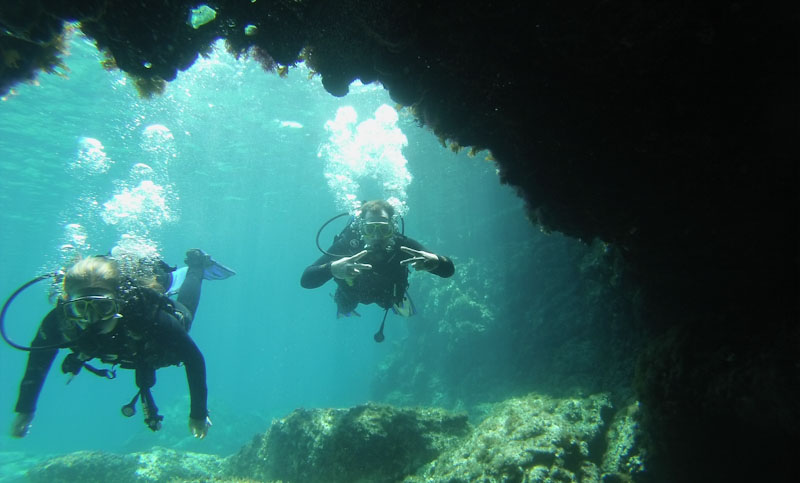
(243, 164)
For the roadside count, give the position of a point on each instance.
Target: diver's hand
(21, 425)
(348, 268)
(420, 260)
(199, 427)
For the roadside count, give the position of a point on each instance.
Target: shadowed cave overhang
(665, 129)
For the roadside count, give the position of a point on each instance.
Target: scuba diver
(369, 261)
(123, 320)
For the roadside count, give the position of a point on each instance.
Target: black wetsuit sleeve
(39, 362)
(444, 269)
(319, 272)
(179, 343)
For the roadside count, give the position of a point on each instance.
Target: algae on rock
(536, 438)
(160, 464)
(371, 442)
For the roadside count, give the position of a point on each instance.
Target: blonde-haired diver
(127, 322)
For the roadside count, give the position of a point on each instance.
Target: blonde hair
(94, 272)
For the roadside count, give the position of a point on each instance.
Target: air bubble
(365, 160)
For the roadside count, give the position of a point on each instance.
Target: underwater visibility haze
(247, 166)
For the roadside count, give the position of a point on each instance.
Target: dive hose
(319, 232)
(5, 309)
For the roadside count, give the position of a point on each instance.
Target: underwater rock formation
(15, 464)
(537, 438)
(667, 130)
(364, 443)
(532, 438)
(160, 464)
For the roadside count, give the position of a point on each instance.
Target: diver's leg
(346, 303)
(189, 293)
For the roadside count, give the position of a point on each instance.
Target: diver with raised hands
(125, 320)
(369, 261)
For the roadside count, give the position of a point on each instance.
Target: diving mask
(377, 229)
(91, 308)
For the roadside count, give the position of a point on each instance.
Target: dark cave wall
(666, 129)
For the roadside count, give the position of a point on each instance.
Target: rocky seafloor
(530, 438)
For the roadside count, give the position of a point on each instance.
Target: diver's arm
(39, 362)
(445, 267)
(319, 272)
(196, 377)
(187, 352)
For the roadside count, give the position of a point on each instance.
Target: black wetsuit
(152, 333)
(384, 285)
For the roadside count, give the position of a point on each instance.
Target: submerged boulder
(538, 438)
(371, 442)
(160, 464)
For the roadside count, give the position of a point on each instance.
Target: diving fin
(211, 270)
(352, 313)
(217, 271)
(341, 313)
(406, 307)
